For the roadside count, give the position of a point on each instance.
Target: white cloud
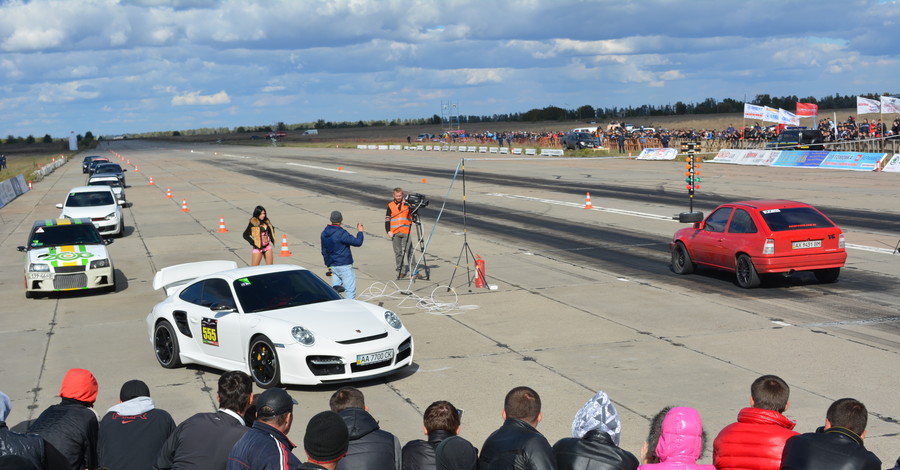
(195, 98)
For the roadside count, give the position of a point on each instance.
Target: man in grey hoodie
(132, 432)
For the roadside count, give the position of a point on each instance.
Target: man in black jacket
(441, 420)
(517, 444)
(837, 445)
(133, 431)
(29, 448)
(596, 430)
(71, 426)
(204, 440)
(371, 448)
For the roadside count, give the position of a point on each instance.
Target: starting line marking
(872, 249)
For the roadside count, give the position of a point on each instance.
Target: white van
(311, 132)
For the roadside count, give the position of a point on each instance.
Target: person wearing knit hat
(326, 441)
(71, 426)
(19, 450)
(336, 243)
(133, 431)
(595, 442)
(455, 453)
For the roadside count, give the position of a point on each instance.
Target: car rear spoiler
(174, 276)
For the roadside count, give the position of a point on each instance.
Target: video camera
(416, 201)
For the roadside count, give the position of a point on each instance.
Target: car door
(214, 321)
(743, 236)
(708, 242)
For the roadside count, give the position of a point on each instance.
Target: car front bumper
(302, 365)
(54, 282)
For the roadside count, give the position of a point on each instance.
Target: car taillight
(841, 241)
(769, 248)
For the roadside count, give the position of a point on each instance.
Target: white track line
(321, 168)
(645, 215)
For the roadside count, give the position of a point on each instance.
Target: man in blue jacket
(266, 445)
(336, 243)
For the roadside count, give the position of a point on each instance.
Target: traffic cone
(29, 185)
(284, 246)
(222, 228)
(184, 205)
(136, 169)
(587, 202)
(151, 181)
(168, 193)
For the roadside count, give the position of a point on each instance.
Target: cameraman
(397, 221)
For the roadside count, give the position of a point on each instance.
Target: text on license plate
(375, 357)
(807, 244)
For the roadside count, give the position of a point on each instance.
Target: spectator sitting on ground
(266, 445)
(518, 444)
(191, 444)
(132, 432)
(28, 450)
(370, 446)
(71, 426)
(756, 440)
(456, 453)
(595, 441)
(676, 441)
(325, 442)
(441, 420)
(838, 445)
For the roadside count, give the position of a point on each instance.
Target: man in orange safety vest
(397, 222)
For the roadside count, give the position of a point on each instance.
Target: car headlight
(42, 268)
(392, 319)
(100, 263)
(303, 336)
(110, 216)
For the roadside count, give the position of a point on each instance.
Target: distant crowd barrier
(465, 148)
(11, 189)
(803, 159)
(658, 154)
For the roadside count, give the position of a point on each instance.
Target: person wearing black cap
(266, 445)
(132, 432)
(325, 442)
(336, 243)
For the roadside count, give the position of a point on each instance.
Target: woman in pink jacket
(676, 441)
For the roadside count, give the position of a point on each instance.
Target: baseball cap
(273, 402)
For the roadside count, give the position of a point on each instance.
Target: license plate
(375, 357)
(807, 244)
(39, 275)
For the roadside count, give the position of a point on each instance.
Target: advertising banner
(867, 106)
(752, 111)
(7, 193)
(787, 117)
(807, 109)
(794, 158)
(770, 115)
(893, 164)
(657, 154)
(889, 104)
(759, 157)
(853, 161)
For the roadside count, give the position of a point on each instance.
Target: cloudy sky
(113, 67)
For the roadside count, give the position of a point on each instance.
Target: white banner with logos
(658, 154)
(893, 164)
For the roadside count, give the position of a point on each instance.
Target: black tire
(263, 363)
(827, 276)
(747, 277)
(121, 228)
(30, 295)
(681, 259)
(165, 345)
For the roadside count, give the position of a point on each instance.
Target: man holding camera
(397, 222)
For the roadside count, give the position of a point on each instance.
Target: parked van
(311, 132)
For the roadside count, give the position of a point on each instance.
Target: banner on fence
(807, 159)
(747, 157)
(11, 189)
(657, 154)
(853, 161)
(801, 158)
(893, 164)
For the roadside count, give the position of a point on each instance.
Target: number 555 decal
(209, 329)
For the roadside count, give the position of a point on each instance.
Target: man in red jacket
(756, 440)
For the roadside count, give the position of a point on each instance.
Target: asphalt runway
(586, 299)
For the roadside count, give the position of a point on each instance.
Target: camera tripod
(409, 252)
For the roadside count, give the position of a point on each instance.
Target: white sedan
(280, 323)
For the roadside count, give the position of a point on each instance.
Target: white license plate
(40, 275)
(807, 244)
(375, 357)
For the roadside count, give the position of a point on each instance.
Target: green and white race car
(66, 254)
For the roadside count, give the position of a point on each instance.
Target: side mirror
(59, 205)
(124, 169)
(22, 248)
(121, 203)
(107, 241)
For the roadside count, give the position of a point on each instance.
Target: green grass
(27, 163)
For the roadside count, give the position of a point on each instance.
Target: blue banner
(808, 159)
(853, 161)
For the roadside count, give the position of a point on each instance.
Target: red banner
(807, 109)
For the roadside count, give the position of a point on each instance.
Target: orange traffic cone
(136, 169)
(184, 205)
(284, 246)
(151, 181)
(168, 193)
(587, 202)
(222, 228)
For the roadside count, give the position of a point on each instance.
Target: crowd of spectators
(623, 135)
(250, 432)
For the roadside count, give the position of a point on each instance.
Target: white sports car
(281, 323)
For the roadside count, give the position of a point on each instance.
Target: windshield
(108, 168)
(284, 289)
(795, 218)
(90, 199)
(59, 235)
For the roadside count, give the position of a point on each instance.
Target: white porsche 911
(280, 323)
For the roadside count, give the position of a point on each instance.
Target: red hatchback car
(762, 237)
